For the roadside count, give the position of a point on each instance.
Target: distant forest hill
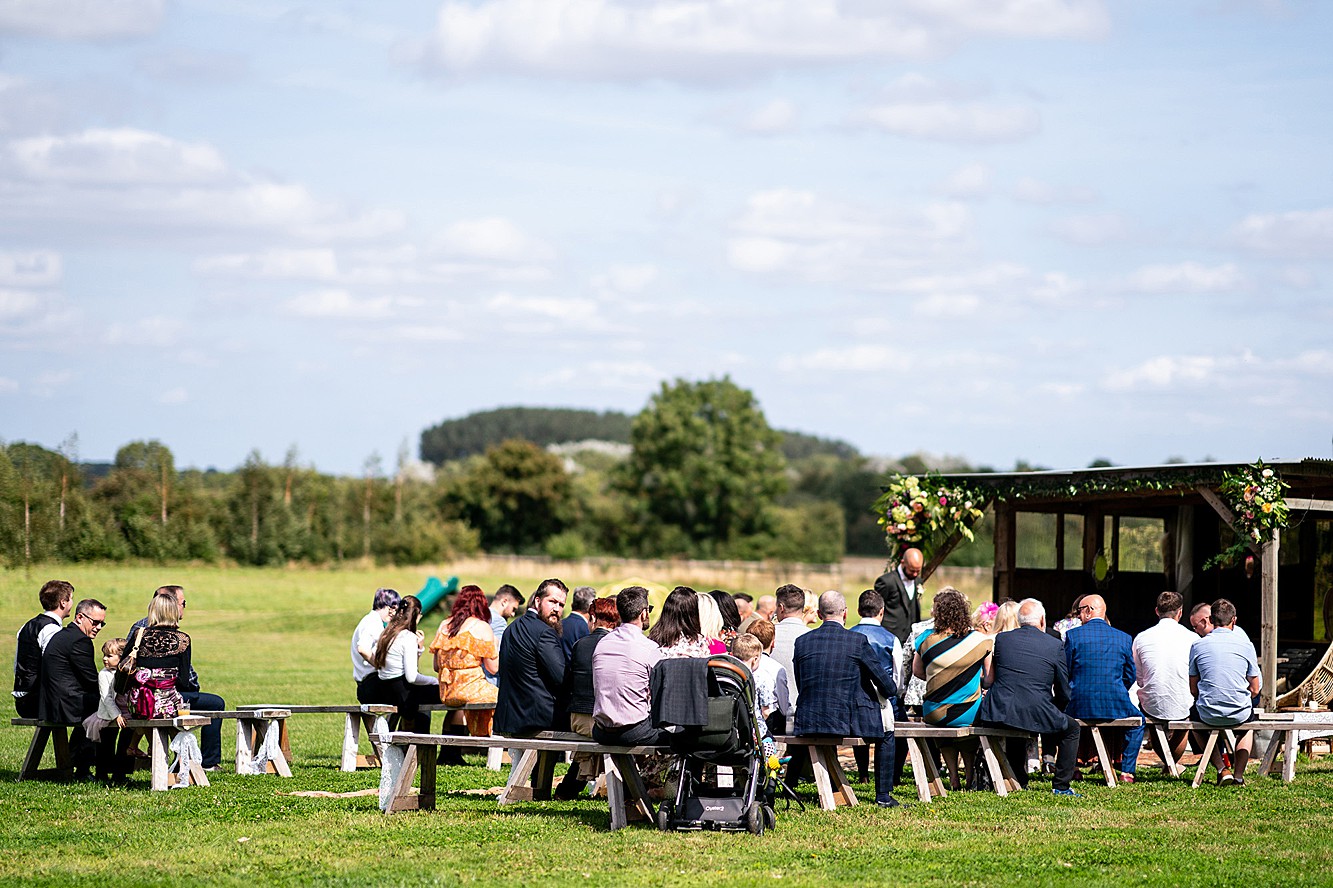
(472, 434)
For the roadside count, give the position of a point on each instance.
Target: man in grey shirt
(1224, 678)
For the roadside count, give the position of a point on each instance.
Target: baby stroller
(730, 740)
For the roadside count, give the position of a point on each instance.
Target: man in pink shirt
(620, 668)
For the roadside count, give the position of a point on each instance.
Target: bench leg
(1163, 741)
(402, 798)
(158, 743)
(1270, 754)
(278, 761)
(842, 787)
(544, 774)
(1289, 757)
(1102, 757)
(823, 785)
(517, 788)
(1205, 759)
(426, 795)
(925, 788)
(495, 758)
(998, 766)
(245, 750)
(351, 741)
(33, 760)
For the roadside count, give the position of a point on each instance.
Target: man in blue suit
(838, 676)
(1029, 691)
(1101, 671)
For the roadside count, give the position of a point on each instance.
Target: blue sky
(1050, 230)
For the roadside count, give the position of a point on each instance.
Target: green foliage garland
(1255, 495)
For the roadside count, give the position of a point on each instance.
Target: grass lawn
(282, 636)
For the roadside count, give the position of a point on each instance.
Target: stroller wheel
(755, 819)
(770, 818)
(663, 818)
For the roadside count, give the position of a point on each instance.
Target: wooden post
(1094, 534)
(1005, 550)
(1060, 541)
(1268, 629)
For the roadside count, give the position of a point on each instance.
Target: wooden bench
(494, 755)
(160, 731)
(356, 717)
(531, 775)
(1159, 734)
(1284, 727)
(835, 789)
(253, 727)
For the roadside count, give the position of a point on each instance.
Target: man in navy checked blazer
(838, 676)
(1101, 670)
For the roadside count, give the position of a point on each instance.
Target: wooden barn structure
(1130, 533)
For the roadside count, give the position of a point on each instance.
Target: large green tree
(704, 467)
(516, 496)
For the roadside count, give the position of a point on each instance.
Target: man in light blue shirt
(1224, 678)
(504, 604)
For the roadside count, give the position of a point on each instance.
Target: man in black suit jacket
(1029, 691)
(838, 677)
(532, 666)
(901, 590)
(67, 689)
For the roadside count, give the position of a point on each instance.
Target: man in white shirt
(1161, 668)
(790, 626)
(365, 637)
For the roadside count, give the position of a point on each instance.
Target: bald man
(901, 590)
(1101, 670)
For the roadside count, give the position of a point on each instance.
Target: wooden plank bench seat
(624, 785)
(160, 731)
(835, 789)
(356, 717)
(1285, 730)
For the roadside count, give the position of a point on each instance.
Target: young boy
(749, 651)
(770, 681)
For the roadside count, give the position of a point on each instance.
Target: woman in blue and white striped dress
(953, 658)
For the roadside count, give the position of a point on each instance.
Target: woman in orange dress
(463, 646)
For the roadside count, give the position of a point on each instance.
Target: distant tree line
(704, 476)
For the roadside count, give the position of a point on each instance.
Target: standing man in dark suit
(56, 598)
(67, 691)
(901, 590)
(1101, 672)
(1029, 691)
(839, 676)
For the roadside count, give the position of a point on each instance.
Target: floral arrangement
(923, 512)
(1255, 496)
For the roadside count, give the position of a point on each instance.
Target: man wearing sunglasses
(68, 685)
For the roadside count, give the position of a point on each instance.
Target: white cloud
(700, 40)
(1187, 277)
(971, 123)
(619, 375)
(493, 240)
(117, 157)
(81, 19)
(1092, 230)
(15, 304)
(1034, 191)
(154, 331)
(1300, 233)
(47, 384)
(770, 119)
(336, 303)
(947, 305)
(172, 397)
(969, 182)
(38, 268)
(800, 233)
(624, 280)
(1163, 372)
(572, 311)
(312, 264)
(8, 386)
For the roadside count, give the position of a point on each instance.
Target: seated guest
(1072, 620)
(983, 618)
(1201, 621)
(463, 647)
(56, 598)
(67, 683)
(621, 666)
(1029, 689)
(1006, 617)
(1161, 667)
(710, 623)
(748, 650)
(731, 615)
(103, 726)
(870, 608)
(837, 674)
(744, 605)
(770, 681)
(532, 667)
(605, 617)
(504, 604)
(162, 667)
(677, 631)
(578, 624)
(364, 639)
(1101, 671)
(210, 736)
(953, 658)
(400, 682)
(1224, 679)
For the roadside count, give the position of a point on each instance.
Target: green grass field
(282, 636)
